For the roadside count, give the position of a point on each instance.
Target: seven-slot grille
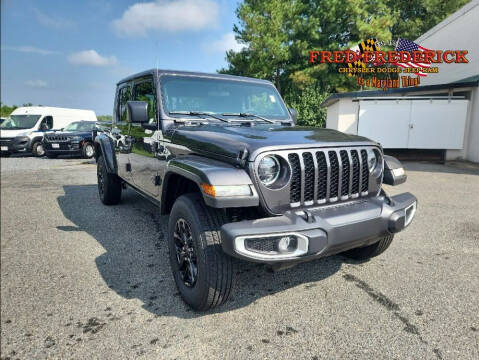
(321, 176)
(57, 138)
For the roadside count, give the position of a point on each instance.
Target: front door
(146, 139)
(121, 133)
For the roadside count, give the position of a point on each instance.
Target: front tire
(88, 150)
(109, 185)
(37, 149)
(367, 252)
(203, 273)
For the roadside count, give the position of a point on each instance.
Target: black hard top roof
(191, 73)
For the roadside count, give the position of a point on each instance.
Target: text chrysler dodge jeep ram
(222, 156)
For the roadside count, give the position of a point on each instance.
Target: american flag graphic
(410, 46)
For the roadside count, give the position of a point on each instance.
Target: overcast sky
(72, 53)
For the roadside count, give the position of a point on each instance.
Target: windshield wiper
(244, 115)
(197, 113)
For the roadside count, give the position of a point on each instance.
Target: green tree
(6, 110)
(415, 17)
(106, 118)
(308, 102)
(279, 35)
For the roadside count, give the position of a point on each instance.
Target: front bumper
(322, 231)
(18, 144)
(66, 147)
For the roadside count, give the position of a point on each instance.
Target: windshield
(219, 96)
(20, 122)
(81, 126)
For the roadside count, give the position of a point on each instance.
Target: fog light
(287, 244)
(272, 246)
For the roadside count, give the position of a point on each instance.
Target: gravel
(82, 280)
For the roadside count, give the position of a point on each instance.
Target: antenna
(157, 61)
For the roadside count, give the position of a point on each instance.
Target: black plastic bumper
(18, 144)
(65, 148)
(329, 230)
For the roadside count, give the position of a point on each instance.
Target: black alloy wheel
(185, 253)
(203, 273)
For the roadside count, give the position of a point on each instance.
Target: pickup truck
(223, 156)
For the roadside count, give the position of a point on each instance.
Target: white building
(440, 114)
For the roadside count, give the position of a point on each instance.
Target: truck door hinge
(128, 167)
(157, 180)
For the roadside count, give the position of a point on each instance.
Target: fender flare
(202, 170)
(104, 146)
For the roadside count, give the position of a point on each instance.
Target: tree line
(279, 34)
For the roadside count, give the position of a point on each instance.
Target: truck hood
(228, 141)
(6, 133)
(70, 133)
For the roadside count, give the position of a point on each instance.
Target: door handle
(411, 126)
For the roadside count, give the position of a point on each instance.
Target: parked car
(75, 139)
(23, 131)
(223, 157)
(2, 119)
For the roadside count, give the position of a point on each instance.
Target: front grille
(325, 176)
(5, 141)
(57, 138)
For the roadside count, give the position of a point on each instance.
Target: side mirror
(137, 111)
(294, 114)
(394, 173)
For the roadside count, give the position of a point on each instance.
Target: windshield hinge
(242, 157)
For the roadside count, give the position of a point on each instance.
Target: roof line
(158, 72)
(357, 94)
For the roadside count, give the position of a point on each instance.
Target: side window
(123, 97)
(145, 91)
(47, 123)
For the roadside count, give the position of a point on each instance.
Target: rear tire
(203, 273)
(88, 150)
(366, 252)
(109, 185)
(37, 149)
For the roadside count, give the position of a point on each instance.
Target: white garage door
(414, 124)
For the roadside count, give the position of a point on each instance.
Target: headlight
(268, 170)
(372, 160)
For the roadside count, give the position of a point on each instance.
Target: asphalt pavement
(80, 280)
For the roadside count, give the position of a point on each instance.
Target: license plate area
(55, 146)
(4, 148)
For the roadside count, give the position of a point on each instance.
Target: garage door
(414, 124)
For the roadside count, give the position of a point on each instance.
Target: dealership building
(440, 116)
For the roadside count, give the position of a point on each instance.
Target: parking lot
(82, 280)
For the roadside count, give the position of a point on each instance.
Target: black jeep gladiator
(222, 156)
(75, 139)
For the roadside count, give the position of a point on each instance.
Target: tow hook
(306, 215)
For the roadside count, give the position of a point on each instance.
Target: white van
(23, 131)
